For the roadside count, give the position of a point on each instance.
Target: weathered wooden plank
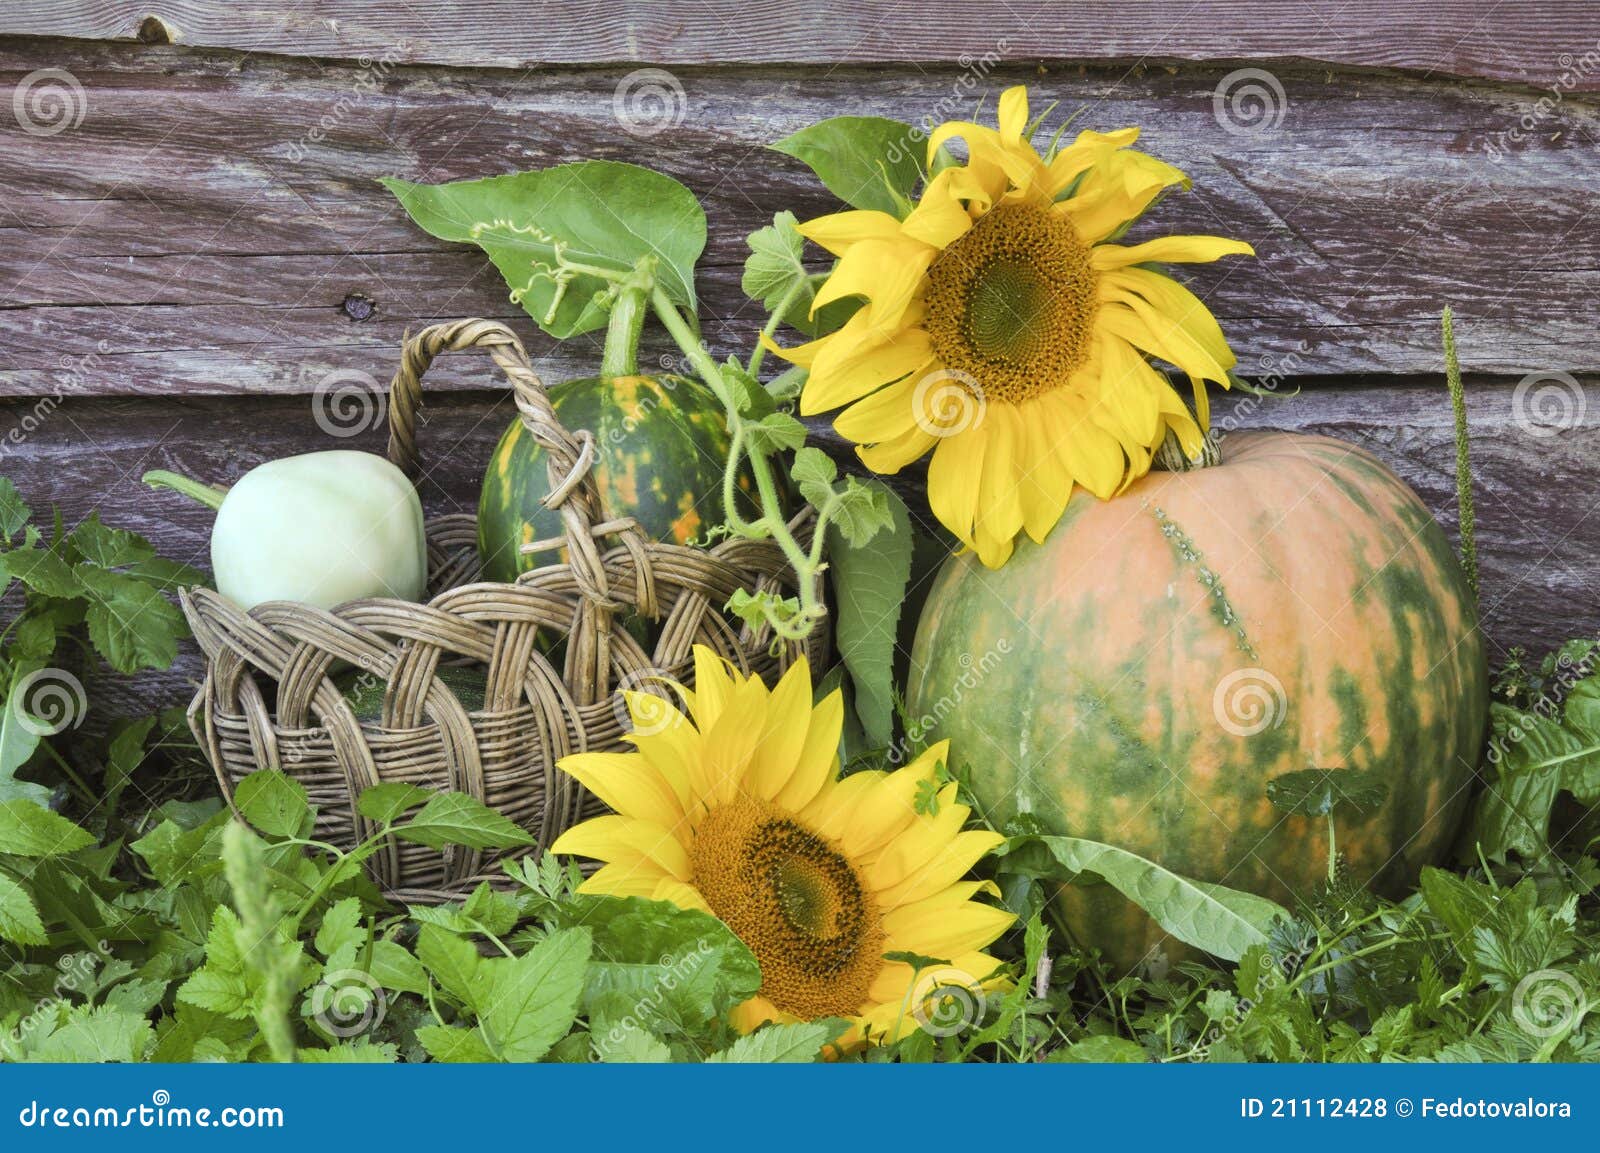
(1532, 44)
(202, 226)
(1539, 554)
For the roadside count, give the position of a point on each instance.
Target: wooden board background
(197, 243)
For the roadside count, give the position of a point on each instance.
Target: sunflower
(1003, 329)
(737, 809)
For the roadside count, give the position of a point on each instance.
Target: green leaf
(19, 920)
(598, 212)
(659, 962)
(453, 962)
(14, 511)
(362, 1051)
(98, 1035)
(629, 1043)
(108, 547)
(26, 830)
(452, 1044)
(457, 819)
(869, 584)
(866, 161)
(775, 272)
(384, 803)
(781, 1044)
(532, 1000)
(1104, 1050)
(131, 624)
(274, 803)
(42, 571)
(813, 474)
(393, 967)
(340, 928)
(863, 511)
(1318, 792)
(1223, 922)
(775, 432)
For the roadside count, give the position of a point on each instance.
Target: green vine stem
(208, 495)
(1458, 402)
(621, 355)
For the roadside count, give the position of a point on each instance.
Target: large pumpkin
(1141, 676)
(662, 444)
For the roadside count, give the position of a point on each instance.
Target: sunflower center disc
(796, 902)
(1011, 304)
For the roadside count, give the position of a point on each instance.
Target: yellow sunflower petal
(1013, 114)
(844, 230)
(953, 479)
(683, 895)
(944, 865)
(885, 414)
(939, 219)
(829, 812)
(940, 928)
(1044, 483)
(783, 737)
(890, 456)
(1169, 250)
(611, 837)
(634, 878)
(999, 510)
(839, 380)
(819, 756)
(628, 783)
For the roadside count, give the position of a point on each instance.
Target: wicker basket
(269, 701)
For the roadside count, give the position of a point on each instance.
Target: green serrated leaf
(866, 161)
(108, 547)
(14, 511)
(457, 819)
(453, 962)
(781, 1044)
(862, 511)
(869, 584)
(19, 919)
(274, 803)
(41, 570)
(775, 432)
(598, 212)
(388, 801)
(131, 624)
(532, 1000)
(454, 1045)
(26, 830)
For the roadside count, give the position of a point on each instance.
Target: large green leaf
(532, 1000)
(866, 161)
(1224, 922)
(19, 920)
(600, 212)
(26, 830)
(457, 819)
(869, 583)
(274, 803)
(781, 1044)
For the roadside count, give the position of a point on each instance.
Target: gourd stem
(621, 354)
(1170, 457)
(208, 495)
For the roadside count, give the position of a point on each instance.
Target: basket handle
(574, 492)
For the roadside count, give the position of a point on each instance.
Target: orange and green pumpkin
(661, 447)
(1143, 674)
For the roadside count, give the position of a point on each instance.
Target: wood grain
(1522, 42)
(1539, 542)
(200, 230)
